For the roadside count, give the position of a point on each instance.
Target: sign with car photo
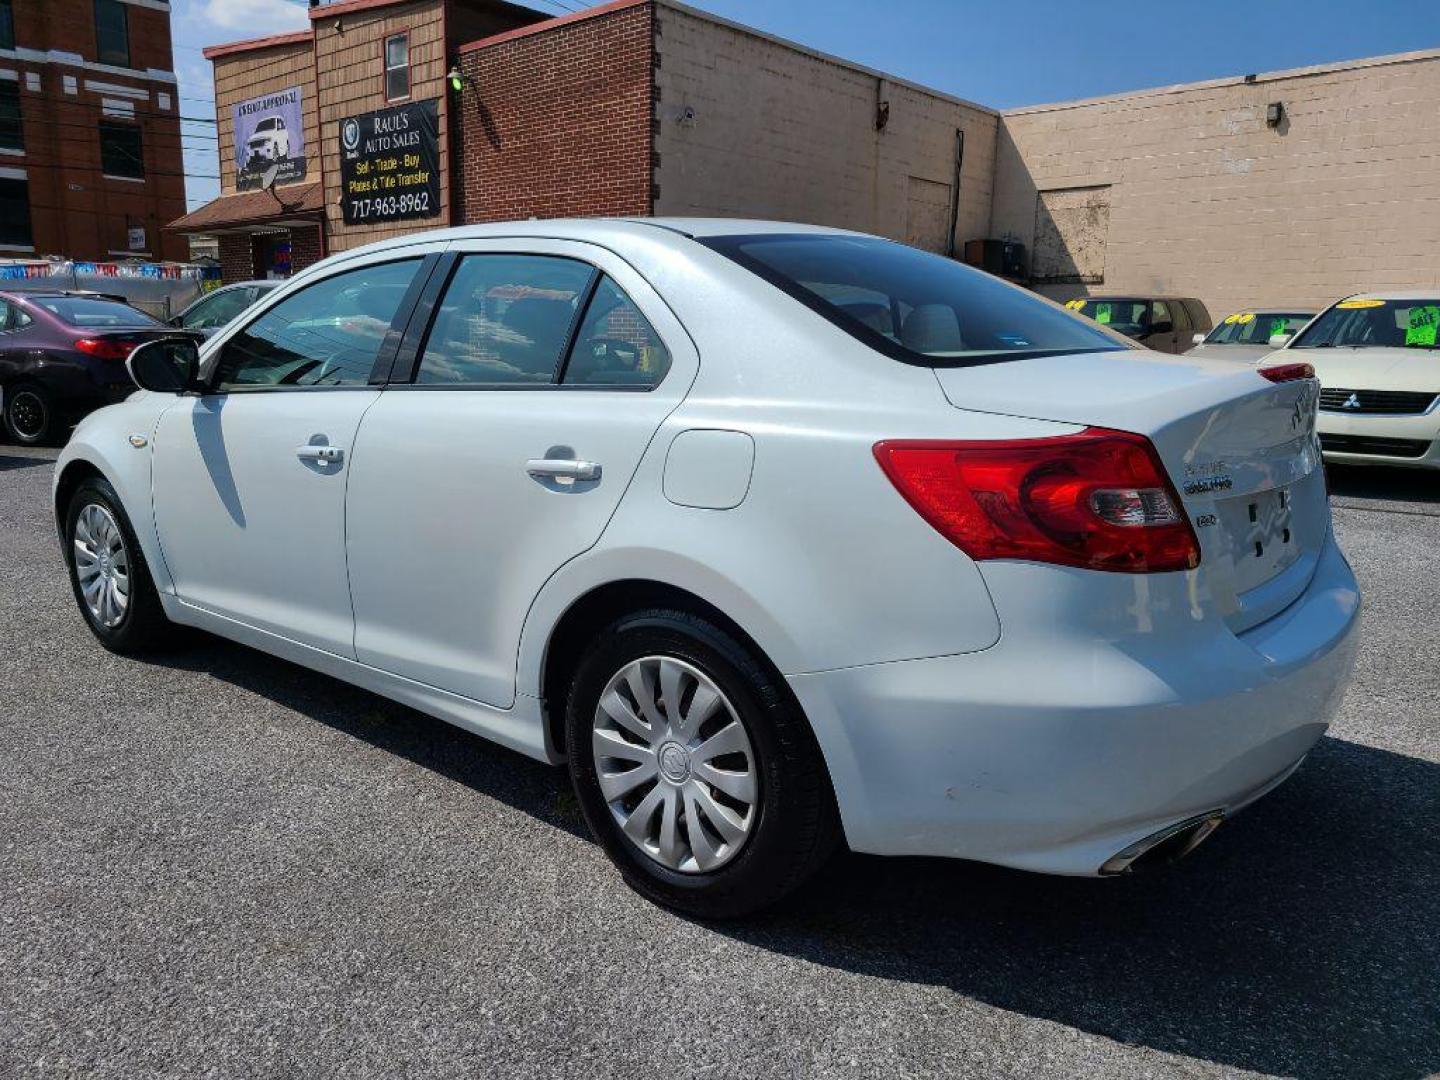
(390, 164)
(269, 133)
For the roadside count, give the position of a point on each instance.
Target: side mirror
(167, 366)
(1197, 339)
(1279, 341)
(1164, 326)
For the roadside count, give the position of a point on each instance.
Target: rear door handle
(327, 454)
(563, 467)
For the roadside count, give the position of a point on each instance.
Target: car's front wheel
(29, 414)
(694, 767)
(108, 573)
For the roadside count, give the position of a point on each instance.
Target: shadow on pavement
(8, 462)
(1303, 940)
(1383, 482)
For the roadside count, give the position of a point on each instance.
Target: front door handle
(563, 467)
(327, 454)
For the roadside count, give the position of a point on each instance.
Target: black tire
(30, 414)
(796, 827)
(143, 627)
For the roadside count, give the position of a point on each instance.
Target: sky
(999, 54)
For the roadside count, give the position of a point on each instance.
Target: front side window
(15, 213)
(504, 319)
(909, 304)
(1362, 323)
(1161, 314)
(327, 334)
(12, 135)
(397, 67)
(12, 318)
(215, 311)
(616, 345)
(122, 152)
(1255, 328)
(112, 33)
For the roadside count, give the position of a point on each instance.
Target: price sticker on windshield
(1277, 326)
(1074, 305)
(1423, 323)
(1102, 314)
(1240, 317)
(1355, 305)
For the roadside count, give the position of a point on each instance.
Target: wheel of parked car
(694, 768)
(29, 414)
(108, 573)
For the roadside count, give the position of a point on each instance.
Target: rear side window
(85, 311)
(616, 345)
(504, 319)
(328, 334)
(909, 304)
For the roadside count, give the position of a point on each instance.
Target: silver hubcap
(675, 764)
(102, 565)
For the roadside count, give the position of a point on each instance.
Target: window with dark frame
(7, 25)
(122, 151)
(112, 33)
(12, 134)
(397, 67)
(15, 213)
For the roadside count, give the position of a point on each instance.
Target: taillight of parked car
(1288, 372)
(1099, 499)
(106, 348)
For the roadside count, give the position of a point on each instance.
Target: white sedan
(780, 536)
(1247, 337)
(1377, 356)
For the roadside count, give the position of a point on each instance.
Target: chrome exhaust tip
(1169, 845)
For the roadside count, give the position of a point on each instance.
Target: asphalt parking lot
(218, 864)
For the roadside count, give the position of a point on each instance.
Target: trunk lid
(1240, 450)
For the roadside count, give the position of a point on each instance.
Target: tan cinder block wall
(242, 76)
(1207, 201)
(782, 132)
(350, 73)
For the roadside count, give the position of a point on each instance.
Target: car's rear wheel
(108, 573)
(694, 767)
(29, 414)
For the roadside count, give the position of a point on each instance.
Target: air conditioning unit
(1003, 258)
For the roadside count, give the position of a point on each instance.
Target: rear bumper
(1054, 753)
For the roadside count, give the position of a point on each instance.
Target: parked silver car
(215, 309)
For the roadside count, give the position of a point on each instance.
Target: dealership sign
(269, 134)
(390, 164)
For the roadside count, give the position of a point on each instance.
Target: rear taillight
(1099, 499)
(105, 348)
(1288, 372)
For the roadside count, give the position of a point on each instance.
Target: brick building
(90, 156)
(1285, 188)
(358, 59)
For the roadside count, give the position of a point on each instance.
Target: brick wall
(751, 126)
(1206, 200)
(306, 248)
(75, 209)
(556, 120)
(237, 257)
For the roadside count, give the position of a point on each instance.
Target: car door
(249, 477)
(500, 451)
(1161, 333)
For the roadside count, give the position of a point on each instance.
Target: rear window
(1361, 323)
(1256, 327)
(88, 312)
(910, 304)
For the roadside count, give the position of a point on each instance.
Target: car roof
(1275, 309)
(1395, 294)
(1143, 296)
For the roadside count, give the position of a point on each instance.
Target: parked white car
(1247, 337)
(779, 535)
(270, 142)
(1378, 361)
